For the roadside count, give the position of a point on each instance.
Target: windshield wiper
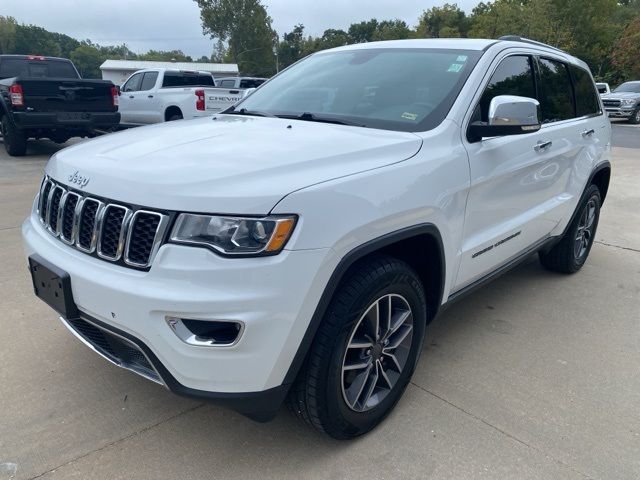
(252, 113)
(312, 117)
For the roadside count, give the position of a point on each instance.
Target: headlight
(234, 235)
(629, 101)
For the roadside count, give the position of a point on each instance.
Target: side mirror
(508, 115)
(119, 89)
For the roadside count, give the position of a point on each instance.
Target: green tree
(363, 31)
(291, 48)
(165, 56)
(391, 30)
(31, 39)
(7, 34)
(446, 21)
(626, 54)
(246, 27)
(87, 59)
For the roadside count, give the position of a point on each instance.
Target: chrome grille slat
(111, 231)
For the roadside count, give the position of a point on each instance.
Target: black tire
(568, 256)
(175, 116)
(318, 396)
(15, 142)
(635, 118)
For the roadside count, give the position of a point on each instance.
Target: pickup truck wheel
(571, 253)
(365, 350)
(15, 142)
(175, 116)
(635, 118)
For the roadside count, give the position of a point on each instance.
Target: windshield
(388, 88)
(629, 87)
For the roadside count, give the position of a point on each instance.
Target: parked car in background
(44, 97)
(624, 102)
(298, 244)
(603, 88)
(162, 95)
(240, 82)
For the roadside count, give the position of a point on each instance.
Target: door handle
(131, 96)
(587, 133)
(149, 96)
(540, 146)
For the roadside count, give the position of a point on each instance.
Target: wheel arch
(171, 110)
(416, 245)
(600, 177)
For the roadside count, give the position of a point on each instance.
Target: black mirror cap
(479, 130)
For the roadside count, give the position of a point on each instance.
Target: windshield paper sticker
(461, 58)
(410, 116)
(455, 67)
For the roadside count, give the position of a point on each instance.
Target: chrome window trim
(94, 236)
(157, 239)
(123, 231)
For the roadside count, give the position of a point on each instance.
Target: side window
(172, 80)
(250, 83)
(228, 83)
(587, 102)
(205, 81)
(514, 76)
(133, 84)
(149, 81)
(556, 93)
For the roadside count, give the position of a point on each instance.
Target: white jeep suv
(297, 245)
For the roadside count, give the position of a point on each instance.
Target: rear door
(518, 182)
(130, 101)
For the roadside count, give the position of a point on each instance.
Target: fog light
(206, 333)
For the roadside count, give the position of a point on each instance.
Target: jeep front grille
(111, 231)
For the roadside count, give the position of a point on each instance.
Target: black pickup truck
(44, 97)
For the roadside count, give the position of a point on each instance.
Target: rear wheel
(174, 116)
(365, 350)
(15, 141)
(571, 253)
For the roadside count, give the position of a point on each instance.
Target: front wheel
(570, 254)
(15, 141)
(635, 117)
(365, 350)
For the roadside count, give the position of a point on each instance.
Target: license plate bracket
(53, 286)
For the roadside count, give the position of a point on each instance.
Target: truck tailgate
(65, 95)
(218, 99)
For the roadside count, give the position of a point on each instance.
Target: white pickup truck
(162, 94)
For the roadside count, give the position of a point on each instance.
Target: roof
(230, 68)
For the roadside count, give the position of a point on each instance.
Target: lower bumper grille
(116, 349)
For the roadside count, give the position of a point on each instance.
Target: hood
(224, 164)
(621, 96)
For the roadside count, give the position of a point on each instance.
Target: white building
(119, 70)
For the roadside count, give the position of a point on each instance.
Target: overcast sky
(175, 24)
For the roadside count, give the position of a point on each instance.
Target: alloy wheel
(377, 352)
(584, 235)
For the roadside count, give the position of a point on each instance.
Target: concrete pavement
(534, 376)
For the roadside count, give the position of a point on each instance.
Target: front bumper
(620, 112)
(66, 121)
(274, 297)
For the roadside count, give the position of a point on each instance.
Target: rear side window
(556, 92)
(149, 80)
(587, 102)
(227, 83)
(13, 67)
(514, 76)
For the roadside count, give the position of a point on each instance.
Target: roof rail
(517, 38)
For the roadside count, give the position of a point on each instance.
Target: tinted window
(183, 79)
(227, 83)
(149, 80)
(403, 89)
(514, 76)
(133, 84)
(556, 93)
(587, 102)
(13, 67)
(251, 82)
